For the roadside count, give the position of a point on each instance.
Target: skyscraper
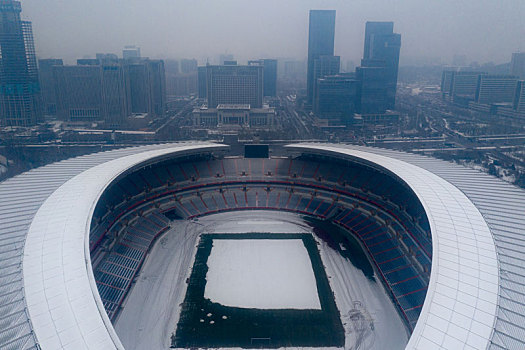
(270, 77)
(321, 36)
(48, 84)
(20, 99)
(201, 81)
(381, 49)
(372, 29)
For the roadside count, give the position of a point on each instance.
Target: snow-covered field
(261, 274)
(152, 308)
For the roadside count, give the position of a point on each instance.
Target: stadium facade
(445, 241)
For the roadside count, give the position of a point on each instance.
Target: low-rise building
(234, 116)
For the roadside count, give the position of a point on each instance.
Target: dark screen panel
(256, 151)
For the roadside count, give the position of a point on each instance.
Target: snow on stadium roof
(56, 303)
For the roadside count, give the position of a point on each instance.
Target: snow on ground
(254, 221)
(151, 311)
(261, 274)
(354, 291)
(152, 308)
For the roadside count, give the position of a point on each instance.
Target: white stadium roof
(48, 295)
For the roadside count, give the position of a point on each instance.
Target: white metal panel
(460, 306)
(61, 295)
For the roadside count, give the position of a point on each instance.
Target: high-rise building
(447, 78)
(517, 65)
(269, 75)
(131, 52)
(321, 35)
(109, 91)
(325, 66)
(201, 81)
(371, 30)
(147, 87)
(460, 86)
(115, 94)
(336, 97)
(464, 85)
(92, 93)
(372, 95)
(79, 93)
(381, 49)
(234, 84)
(20, 99)
(48, 85)
(496, 89)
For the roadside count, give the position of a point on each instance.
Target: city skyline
(433, 32)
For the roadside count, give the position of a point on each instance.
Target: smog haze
(433, 31)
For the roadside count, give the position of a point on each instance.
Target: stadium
(306, 245)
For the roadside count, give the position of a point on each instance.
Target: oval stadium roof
(475, 298)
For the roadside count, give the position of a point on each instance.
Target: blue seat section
(202, 169)
(229, 167)
(221, 204)
(309, 170)
(230, 199)
(255, 168)
(293, 202)
(174, 172)
(249, 198)
(190, 170)
(115, 272)
(210, 201)
(397, 270)
(371, 204)
(216, 168)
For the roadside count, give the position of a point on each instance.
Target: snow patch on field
(261, 274)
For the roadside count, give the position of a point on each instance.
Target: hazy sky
(483, 30)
